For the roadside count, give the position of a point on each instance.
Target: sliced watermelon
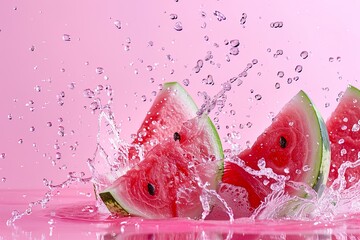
(188, 153)
(296, 144)
(171, 108)
(344, 126)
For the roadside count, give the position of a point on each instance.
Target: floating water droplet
(254, 61)
(343, 127)
(88, 93)
(296, 78)
(276, 24)
(32, 129)
(306, 168)
(3, 179)
(327, 104)
(234, 51)
(117, 24)
(338, 59)
(280, 74)
(149, 68)
(206, 38)
(258, 97)
(143, 98)
(178, 26)
(298, 68)
(220, 17)
(279, 52)
(243, 18)
(277, 85)
(289, 80)
(234, 43)
(249, 124)
(10, 116)
(345, 119)
(304, 54)
(20, 141)
(49, 124)
(186, 82)
(66, 37)
(286, 170)
(331, 59)
(2, 155)
(200, 63)
(343, 152)
(71, 85)
(173, 16)
(58, 155)
(37, 88)
(226, 86)
(232, 112)
(99, 70)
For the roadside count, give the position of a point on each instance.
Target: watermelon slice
(182, 152)
(344, 126)
(171, 108)
(296, 144)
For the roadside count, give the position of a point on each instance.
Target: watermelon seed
(177, 136)
(282, 142)
(151, 189)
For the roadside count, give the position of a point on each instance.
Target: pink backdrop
(34, 54)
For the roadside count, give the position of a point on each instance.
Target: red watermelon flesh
(344, 133)
(296, 145)
(165, 183)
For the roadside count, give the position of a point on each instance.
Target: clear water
(236, 67)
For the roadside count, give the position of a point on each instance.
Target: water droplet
(280, 74)
(143, 98)
(289, 80)
(186, 82)
(243, 18)
(331, 59)
(343, 152)
(343, 127)
(71, 85)
(99, 70)
(149, 68)
(226, 86)
(200, 63)
(306, 168)
(117, 24)
(49, 124)
(234, 43)
(304, 54)
(286, 170)
(232, 112)
(338, 59)
(345, 119)
(66, 37)
(3, 179)
(220, 17)
(206, 38)
(277, 85)
(20, 141)
(355, 127)
(10, 116)
(298, 68)
(234, 51)
(2, 155)
(173, 16)
(32, 129)
(296, 78)
(258, 97)
(37, 88)
(327, 104)
(254, 61)
(32, 48)
(249, 124)
(88, 93)
(276, 24)
(178, 26)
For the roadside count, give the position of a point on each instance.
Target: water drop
(331, 59)
(178, 26)
(289, 80)
(234, 43)
(280, 74)
(232, 112)
(327, 104)
(277, 85)
(99, 70)
(173, 16)
(3, 179)
(10, 116)
(234, 51)
(338, 59)
(66, 37)
(286, 170)
(206, 38)
(298, 68)
(143, 98)
(71, 85)
(249, 124)
(88, 93)
(186, 82)
(20, 141)
(49, 124)
(32, 48)
(226, 86)
(254, 61)
(37, 88)
(220, 17)
(258, 97)
(58, 155)
(355, 127)
(243, 18)
(2, 155)
(304, 54)
(32, 129)
(296, 78)
(306, 168)
(343, 152)
(200, 63)
(117, 24)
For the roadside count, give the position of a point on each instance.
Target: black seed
(283, 142)
(151, 189)
(177, 136)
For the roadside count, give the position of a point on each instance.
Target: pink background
(325, 29)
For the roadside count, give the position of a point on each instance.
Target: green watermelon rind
(354, 91)
(112, 200)
(322, 160)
